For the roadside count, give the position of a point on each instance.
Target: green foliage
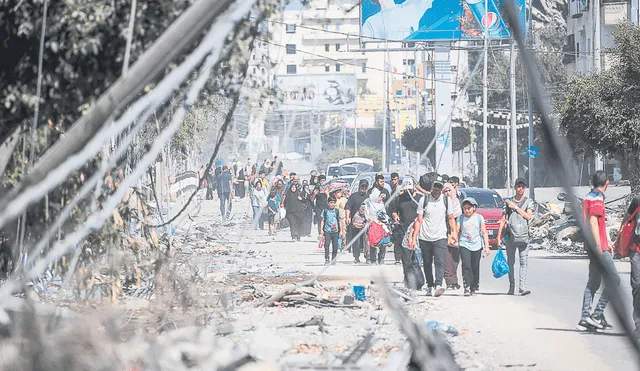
(338, 154)
(418, 139)
(83, 53)
(601, 112)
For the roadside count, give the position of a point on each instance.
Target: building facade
(590, 24)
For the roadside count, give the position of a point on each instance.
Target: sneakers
(525, 292)
(356, 260)
(596, 320)
(398, 262)
(512, 291)
(585, 326)
(467, 292)
(334, 261)
(439, 291)
(327, 262)
(429, 291)
(606, 324)
(473, 292)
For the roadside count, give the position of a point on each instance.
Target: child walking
(273, 203)
(330, 226)
(472, 233)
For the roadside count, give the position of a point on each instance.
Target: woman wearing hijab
(374, 206)
(307, 219)
(294, 204)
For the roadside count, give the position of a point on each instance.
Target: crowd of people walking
(431, 226)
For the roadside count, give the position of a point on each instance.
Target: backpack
(324, 216)
(518, 226)
(359, 220)
(627, 239)
(425, 202)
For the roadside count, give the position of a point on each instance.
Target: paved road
(517, 331)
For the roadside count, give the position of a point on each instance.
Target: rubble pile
(216, 303)
(554, 228)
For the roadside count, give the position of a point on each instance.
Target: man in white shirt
(395, 21)
(434, 214)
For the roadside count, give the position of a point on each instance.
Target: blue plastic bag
(500, 266)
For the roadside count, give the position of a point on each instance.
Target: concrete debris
(554, 229)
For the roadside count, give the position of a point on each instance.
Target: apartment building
(590, 24)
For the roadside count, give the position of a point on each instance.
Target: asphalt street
(533, 332)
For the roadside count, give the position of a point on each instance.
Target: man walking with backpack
(594, 214)
(516, 214)
(430, 226)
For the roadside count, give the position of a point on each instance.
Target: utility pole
(532, 192)
(485, 149)
(384, 113)
(416, 88)
(597, 60)
(514, 130)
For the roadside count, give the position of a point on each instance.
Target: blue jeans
(635, 286)
(225, 204)
(593, 284)
(258, 219)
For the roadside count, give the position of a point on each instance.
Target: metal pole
(355, 131)
(417, 87)
(485, 149)
(384, 115)
(532, 192)
(514, 131)
(597, 61)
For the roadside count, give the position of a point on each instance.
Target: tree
(83, 53)
(601, 113)
(417, 139)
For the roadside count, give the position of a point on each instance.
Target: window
(337, 47)
(326, 27)
(409, 45)
(337, 67)
(326, 69)
(337, 26)
(364, 67)
(326, 47)
(264, 72)
(255, 70)
(291, 69)
(291, 48)
(291, 28)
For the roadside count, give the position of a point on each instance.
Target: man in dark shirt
(351, 208)
(224, 190)
(404, 213)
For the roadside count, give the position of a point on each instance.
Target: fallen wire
(272, 299)
(556, 145)
(224, 26)
(221, 135)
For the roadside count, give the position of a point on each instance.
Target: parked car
(350, 166)
(490, 207)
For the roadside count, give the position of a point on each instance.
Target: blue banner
(432, 20)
